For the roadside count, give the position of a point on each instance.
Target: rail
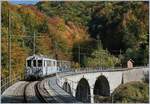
(24, 93)
(38, 94)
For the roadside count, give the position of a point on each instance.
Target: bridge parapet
(135, 75)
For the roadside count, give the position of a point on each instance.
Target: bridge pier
(92, 95)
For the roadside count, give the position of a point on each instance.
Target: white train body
(38, 66)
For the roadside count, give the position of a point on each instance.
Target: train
(39, 66)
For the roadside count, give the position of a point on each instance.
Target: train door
(52, 68)
(40, 67)
(55, 66)
(49, 66)
(46, 67)
(43, 67)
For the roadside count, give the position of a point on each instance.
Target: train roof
(39, 57)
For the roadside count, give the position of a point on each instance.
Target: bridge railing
(8, 81)
(92, 70)
(84, 70)
(61, 75)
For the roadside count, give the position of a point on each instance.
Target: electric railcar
(38, 66)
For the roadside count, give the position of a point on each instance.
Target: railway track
(33, 92)
(24, 93)
(42, 92)
(61, 95)
(38, 93)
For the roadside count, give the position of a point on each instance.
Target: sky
(23, 1)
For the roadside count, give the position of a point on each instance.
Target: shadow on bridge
(101, 87)
(83, 91)
(67, 88)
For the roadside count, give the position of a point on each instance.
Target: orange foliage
(18, 56)
(71, 33)
(67, 34)
(45, 45)
(55, 20)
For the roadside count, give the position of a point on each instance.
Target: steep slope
(53, 35)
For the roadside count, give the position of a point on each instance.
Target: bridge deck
(15, 93)
(63, 96)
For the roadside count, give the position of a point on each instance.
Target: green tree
(102, 58)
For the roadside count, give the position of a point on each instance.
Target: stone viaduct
(84, 85)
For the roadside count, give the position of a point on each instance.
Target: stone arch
(101, 86)
(67, 88)
(83, 91)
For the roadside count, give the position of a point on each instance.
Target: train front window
(39, 63)
(34, 63)
(29, 63)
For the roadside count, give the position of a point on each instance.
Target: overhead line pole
(99, 46)
(55, 45)
(9, 43)
(79, 53)
(34, 44)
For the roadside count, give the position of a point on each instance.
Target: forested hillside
(111, 31)
(119, 25)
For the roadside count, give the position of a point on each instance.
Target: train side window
(49, 63)
(34, 63)
(54, 63)
(46, 63)
(29, 63)
(39, 63)
(43, 63)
